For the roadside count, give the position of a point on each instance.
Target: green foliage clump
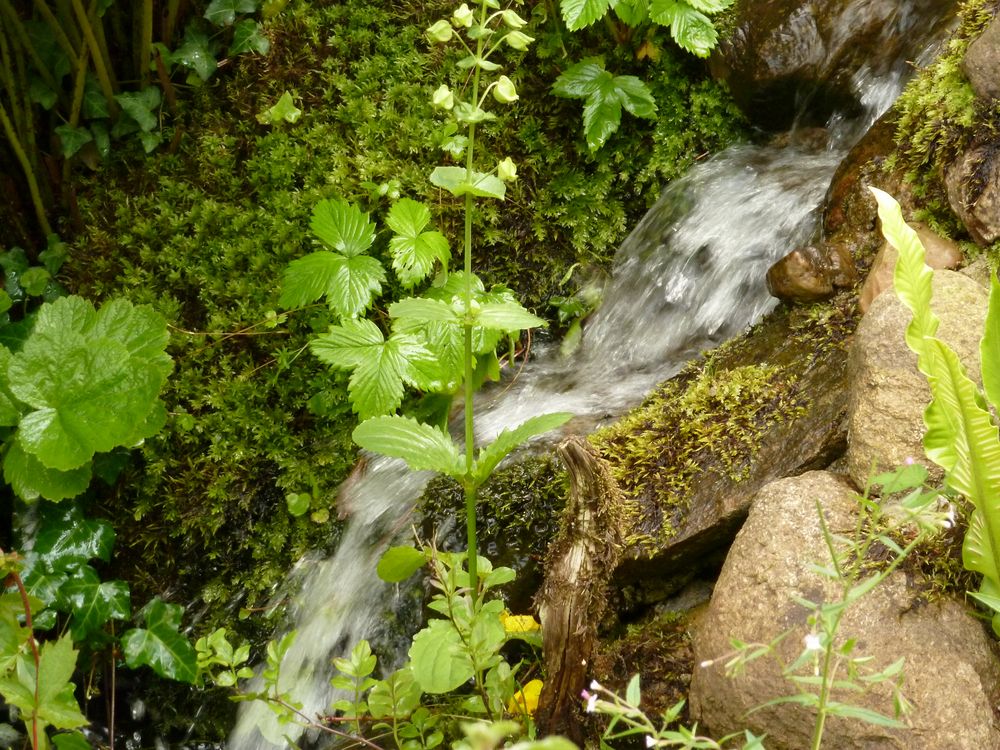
(938, 113)
(203, 231)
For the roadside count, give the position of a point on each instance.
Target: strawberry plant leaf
(421, 446)
(604, 95)
(160, 646)
(690, 28)
(635, 96)
(348, 283)
(342, 227)
(413, 313)
(579, 14)
(414, 250)
(381, 367)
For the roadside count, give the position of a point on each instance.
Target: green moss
(710, 416)
(939, 113)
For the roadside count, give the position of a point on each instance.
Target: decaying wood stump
(572, 598)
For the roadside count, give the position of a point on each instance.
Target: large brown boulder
(951, 673)
(973, 185)
(888, 394)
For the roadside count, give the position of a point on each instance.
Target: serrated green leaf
(397, 696)
(632, 12)
(579, 14)
(439, 660)
(348, 283)
(160, 646)
(52, 698)
(399, 563)
(223, 12)
(635, 96)
(248, 36)
(414, 313)
(380, 367)
(581, 80)
(30, 479)
(414, 250)
(690, 28)
(710, 6)
(71, 741)
(508, 440)
(10, 407)
(421, 446)
(342, 227)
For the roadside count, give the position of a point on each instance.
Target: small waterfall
(689, 276)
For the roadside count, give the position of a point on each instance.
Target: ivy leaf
(223, 12)
(439, 659)
(380, 367)
(72, 139)
(482, 185)
(414, 250)
(691, 29)
(348, 283)
(508, 440)
(141, 106)
(160, 646)
(283, 111)
(421, 446)
(196, 53)
(67, 539)
(92, 377)
(342, 227)
(579, 14)
(30, 479)
(248, 36)
(93, 602)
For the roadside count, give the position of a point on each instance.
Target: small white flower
(813, 642)
(707, 663)
(650, 741)
(595, 685)
(591, 703)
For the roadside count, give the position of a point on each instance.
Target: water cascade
(688, 277)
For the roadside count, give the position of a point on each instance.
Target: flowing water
(689, 276)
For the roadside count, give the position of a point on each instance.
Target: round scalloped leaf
(30, 479)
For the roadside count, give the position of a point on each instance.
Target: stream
(688, 277)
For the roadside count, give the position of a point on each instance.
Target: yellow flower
(525, 700)
(519, 623)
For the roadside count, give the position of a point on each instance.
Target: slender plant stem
(29, 173)
(26, 603)
(146, 41)
(103, 75)
(57, 30)
(470, 437)
(25, 41)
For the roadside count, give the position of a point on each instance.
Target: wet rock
(940, 253)
(811, 273)
(981, 63)
(786, 53)
(973, 185)
(888, 394)
(951, 675)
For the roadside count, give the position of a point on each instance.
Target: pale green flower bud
(463, 16)
(504, 91)
(513, 20)
(440, 32)
(443, 98)
(507, 170)
(518, 41)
